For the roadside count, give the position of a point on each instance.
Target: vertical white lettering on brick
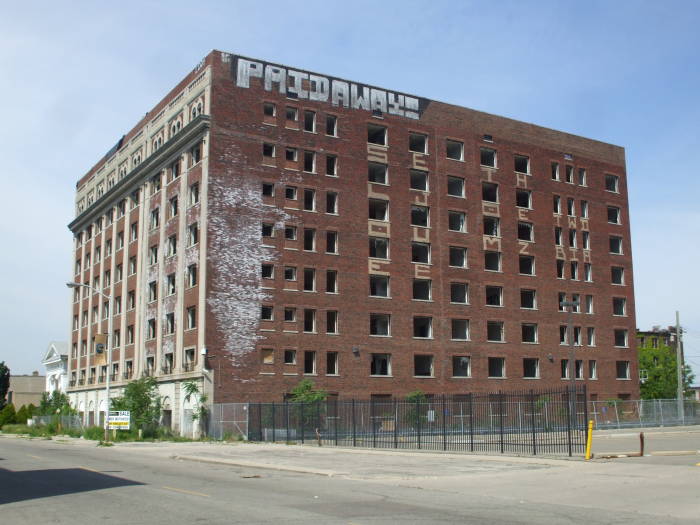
(318, 88)
(297, 86)
(340, 93)
(276, 75)
(411, 108)
(359, 102)
(396, 102)
(247, 69)
(378, 100)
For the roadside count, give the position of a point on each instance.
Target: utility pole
(679, 368)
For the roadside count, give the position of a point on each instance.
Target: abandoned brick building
(263, 224)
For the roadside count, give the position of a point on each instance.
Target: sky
(78, 75)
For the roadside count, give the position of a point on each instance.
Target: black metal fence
(528, 423)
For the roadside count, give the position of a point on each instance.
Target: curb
(267, 466)
(615, 455)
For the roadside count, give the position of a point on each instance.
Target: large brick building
(263, 224)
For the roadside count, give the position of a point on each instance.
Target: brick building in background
(264, 224)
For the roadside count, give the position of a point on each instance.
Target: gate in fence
(533, 422)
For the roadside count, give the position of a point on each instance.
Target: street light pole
(110, 321)
(572, 356)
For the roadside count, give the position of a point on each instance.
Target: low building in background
(26, 389)
(56, 362)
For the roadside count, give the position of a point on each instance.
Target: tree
(661, 375)
(7, 415)
(305, 392)
(54, 403)
(4, 383)
(142, 400)
(201, 411)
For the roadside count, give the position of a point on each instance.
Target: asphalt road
(75, 482)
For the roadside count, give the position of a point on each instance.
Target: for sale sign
(120, 420)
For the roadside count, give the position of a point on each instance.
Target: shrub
(7, 415)
(12, 428)
(94, 433)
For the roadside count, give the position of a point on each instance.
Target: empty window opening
(522, 164)
(267, 230)
(331, 281)
(525, 231)
(419, 180)
(331, 242)
(557, 235)
(492, 226)
(622, 369)
(616, 245)
(268, 150)
(556, 200)
(309, 239)
(523, 199)
(420, 215)
(376, 134)
(331, 322)
(292, 114)
(290, 273)
(528, 299)
(570, 207)
(422, 289)
(379, 285)
(290, 357)
(332, 125)
(269, 109)
(454, 149)
(570, 174)
(488, 157)
(459, 293)
(290, 233)
(526, 264)
(377, 173)
(379, 324)
(560, 268)
(310, 121)
(494, 296)
(309, 199)
(379, 247)
(455, 186)
(309, 280)
(309, 362)
(531, 368)
(572, 238)
(489, 191)
(420, 252)
(290, 154)
(529, 333)
(497, 367)
(574, 270)
(612, 183)
(494, 331)
(582, 176)
(331, 202)
(309, 320)
(458, 256)
(423, 365)
(461, 366)
(613, 215)
(492, 261)
(617, 275)
(268, 271)
(332, 363)
(290, 192)
(418, 142)
(266, 313)
(620, 337)
(290, 314)
(381, 365)
(423, 327)
(457, 221)
(310, 161)
(378, 210)
(555, 170)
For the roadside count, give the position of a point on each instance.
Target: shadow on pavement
(32, 484)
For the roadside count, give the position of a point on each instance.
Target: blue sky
(74, 79)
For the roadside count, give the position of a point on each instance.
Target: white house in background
(56, 363)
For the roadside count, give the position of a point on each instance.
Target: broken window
(557, 235)
(381, 365)
(331, 322)
(455, 186)
(572, 238)
(587, 271)
(310, 121)
(268, 189)
(522, 164)
(526, 265)
(488, 157)
(461, 366)
(555, 171)
(574, 270)
(309, 320)
(422, 289)
(266, 313)
(616, 245)
(379, 285)
(331, 242)
(332, 363)
(619, 306)
(588, 305)
(617, 275)
(290, 192)
(376, 134)
(489, 191)
(292, 114)
(377, 173)
(523, 199)
(309, 362)
(309, 239)
(564, 367)
(331, 281)
(458, 256)
(492, 226)
(268, 150)
(614, 215)
(269, 109)
(290, 154)
(529, 332)
(418, 142)
(531, 368)
(570, 207)
(332, 125)
(492, 261)
(570, 174)
(310, 162)
(563, 334)
(267, 356)
(459, 293)
(528, 299)
(331, 202)
(454, 149)
(290, 357)
(612, 183)
(582, 176)
(525, 231)
(494, 296)
(420, 252)
(309, 280)
(560, 268)
(592, 369)
(419, 215)
(267, 230)
(423, 327)
(192, 234)
(290, 233)
(622, 369)
(267, 271)
(378, 210)
(290, 273)
(419, 180)
(457, 221)
(379, 247)
(620, 337)
(590, 336)
(423, 365)
(556, 200)
(379, 324)
(497, 367)
(290, 314)
(309, 199)
(494, 331)
(331, 165)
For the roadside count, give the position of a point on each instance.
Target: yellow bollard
(589, 439)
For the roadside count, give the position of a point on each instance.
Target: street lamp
(572, 357)
(110, 298)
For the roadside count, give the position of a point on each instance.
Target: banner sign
(119, 420)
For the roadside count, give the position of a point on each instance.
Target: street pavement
(76, 482)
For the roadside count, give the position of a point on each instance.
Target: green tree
(21, 416)
(661, 376)
(201, 411)
(306, 392)
(142, 400)
(4, 383)
(54, 403)
(7, 415)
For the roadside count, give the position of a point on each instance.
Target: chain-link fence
(63, 421)
(643, 413)
(228, 421)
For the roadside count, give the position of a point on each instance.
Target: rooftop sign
(339, 93)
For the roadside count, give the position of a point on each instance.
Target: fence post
(444, 424)
(585, 415)
(500, 416)
(260, 428)
(286, 420)
(354, 434)
(274, 423)
(318, 418)
(301, 421)
(335, 421)
(396, 423)
(471, 423)
(568, 418)
(372, 422)
(532, 423)
(418, 420)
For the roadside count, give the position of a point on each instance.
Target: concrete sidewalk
(657, 441)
